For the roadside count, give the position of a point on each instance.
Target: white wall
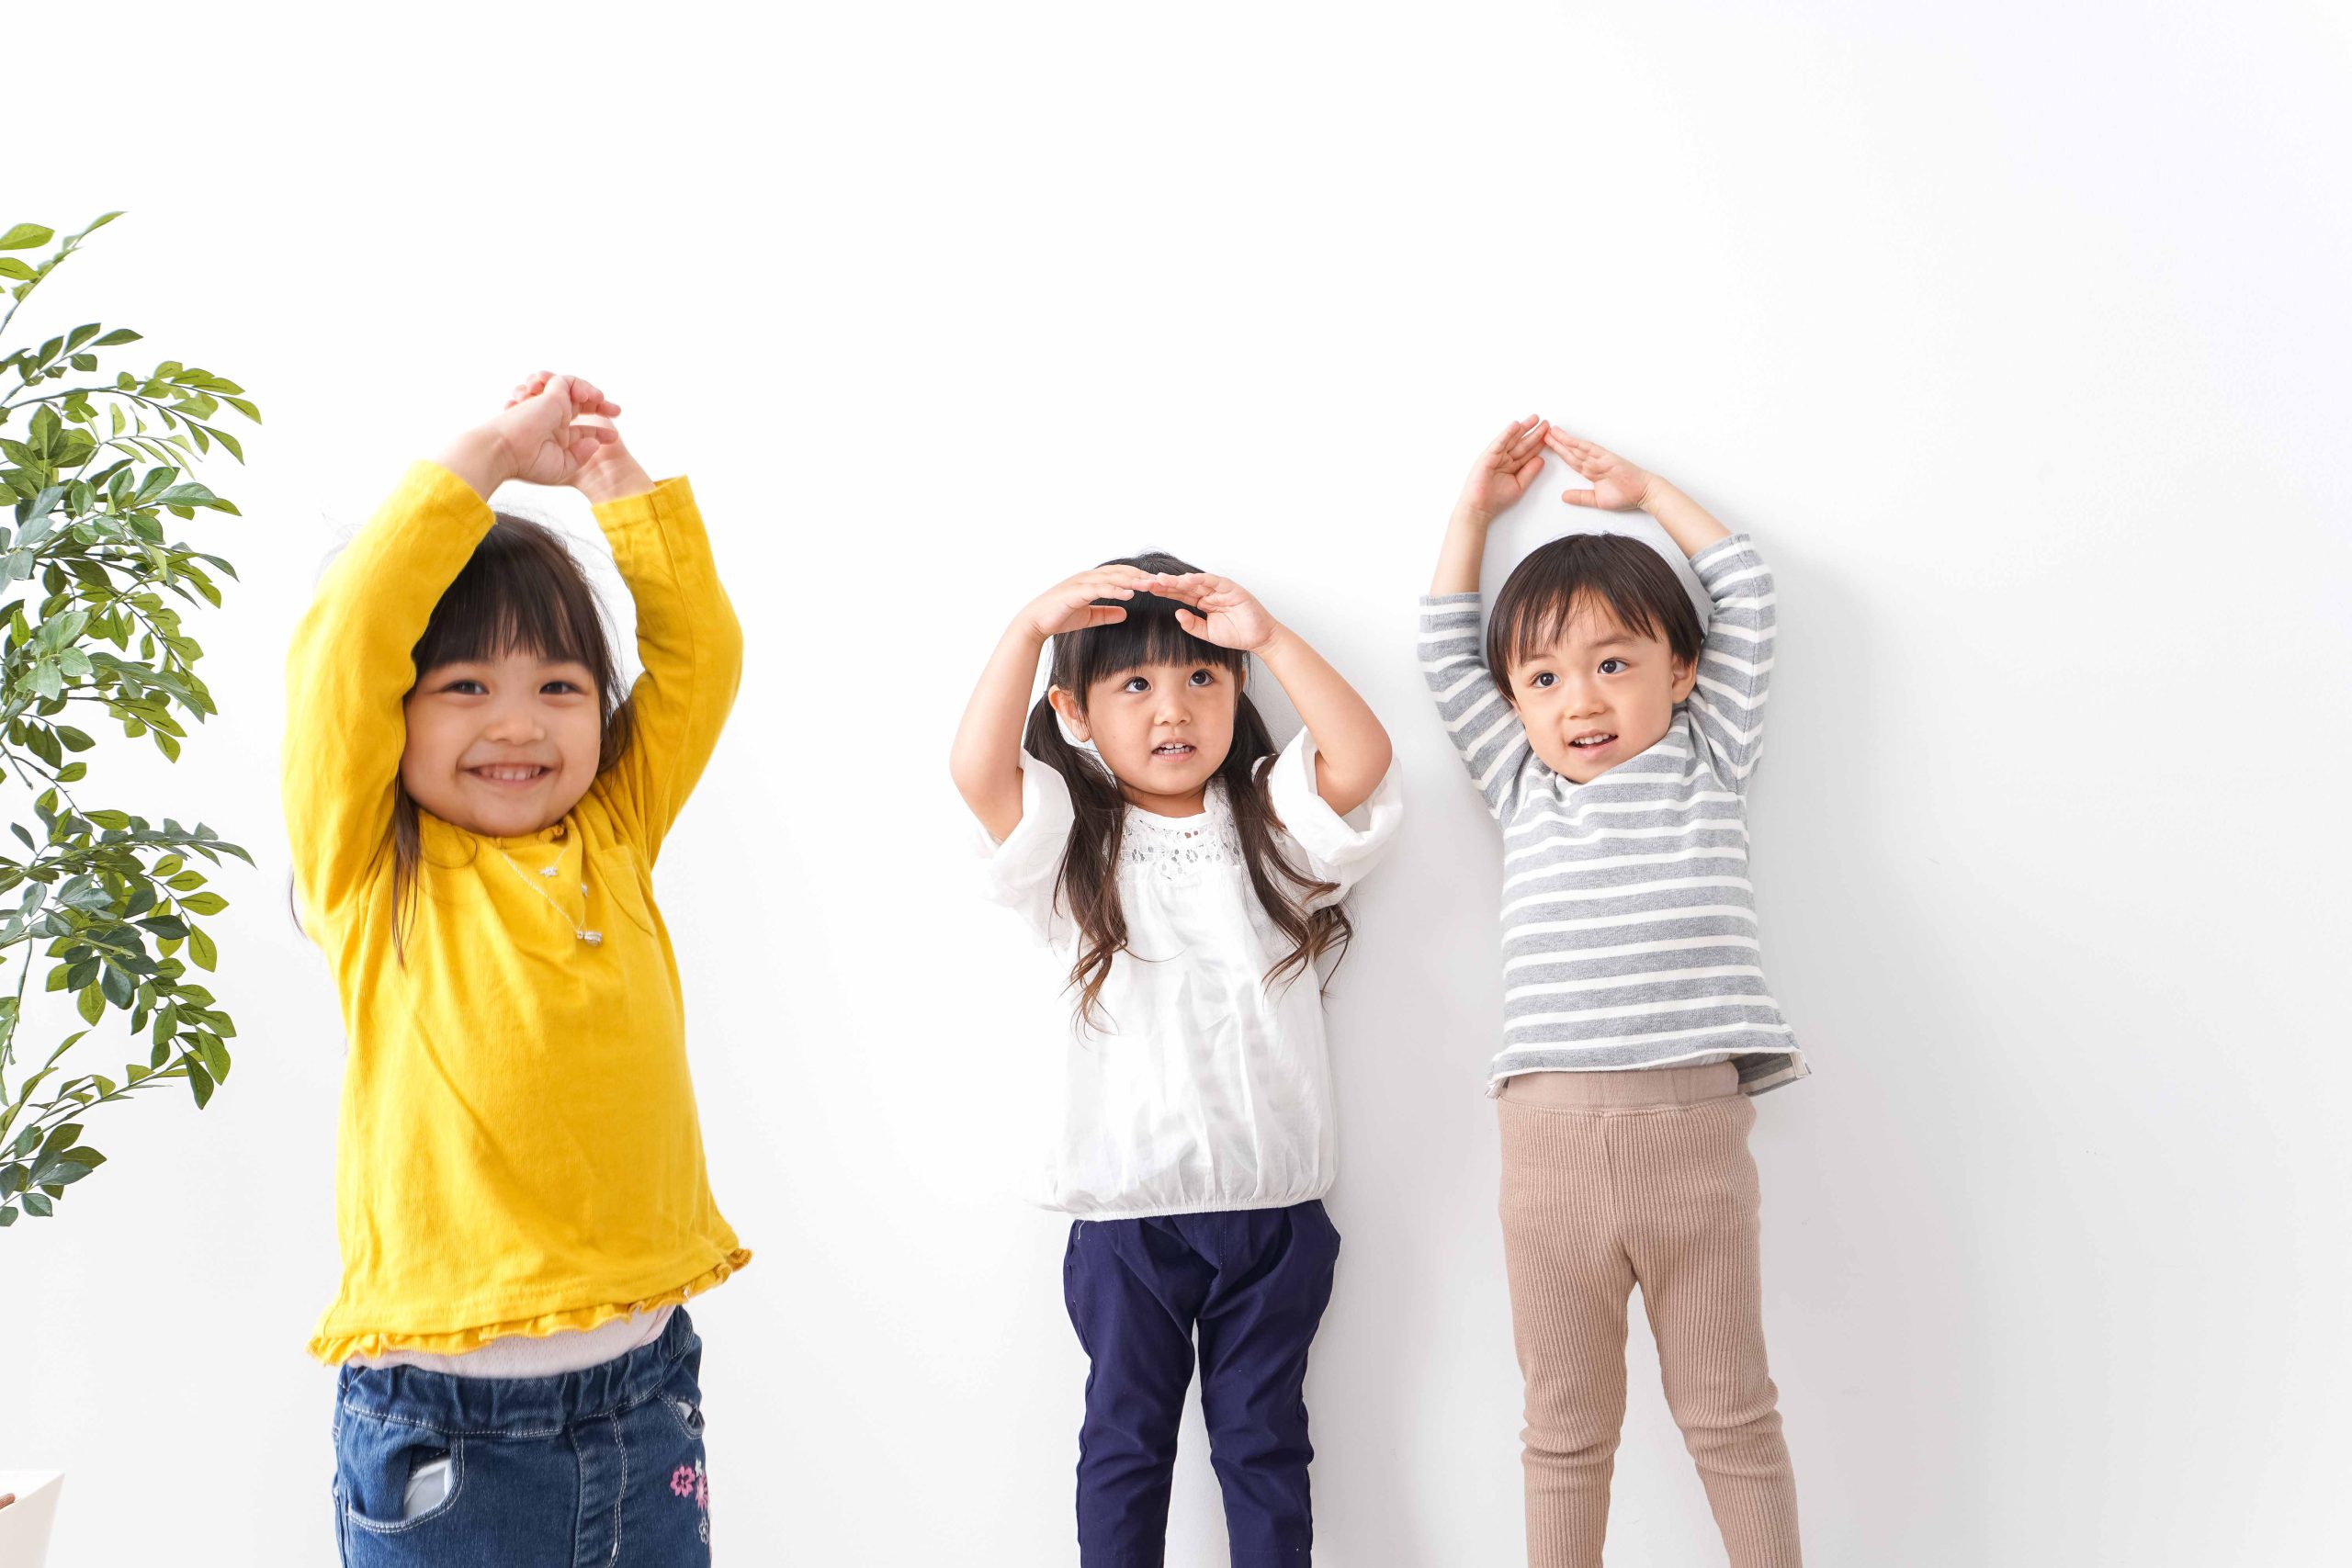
(2016, 333)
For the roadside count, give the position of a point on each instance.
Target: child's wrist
(480, 458)
(1466, 516)
(1656, 492)
(1276, 643)
(603, 487)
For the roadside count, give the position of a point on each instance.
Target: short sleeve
(1022, 872)
(1336, 849)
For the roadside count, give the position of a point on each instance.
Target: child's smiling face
(1164, 729)
(1597, 695)
(504, 746)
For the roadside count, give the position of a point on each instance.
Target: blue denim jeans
(600, 1466)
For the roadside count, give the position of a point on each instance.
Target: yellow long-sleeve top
(518, 1152)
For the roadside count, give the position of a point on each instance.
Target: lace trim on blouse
(1175, 849)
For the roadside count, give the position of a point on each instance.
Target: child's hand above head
(1070, 605)
(611, 471)
(1617, 485)
(1218, 609)
(539, 440)
(1504, 470)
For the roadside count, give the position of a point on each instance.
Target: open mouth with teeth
(511, 774)
(1592, 743)
(1173, 750)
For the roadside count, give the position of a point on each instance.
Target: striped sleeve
(1484, 727)
(1736, 663)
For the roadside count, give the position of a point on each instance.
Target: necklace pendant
(592, 937)
(551, 871)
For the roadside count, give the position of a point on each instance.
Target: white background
(2016, 333)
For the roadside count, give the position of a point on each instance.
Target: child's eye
(1136, 684)
(468, 688)
(1544, 680)
(1611, 666)
(1203, 678)
(561, 688)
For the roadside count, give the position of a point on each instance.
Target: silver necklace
(591, 938)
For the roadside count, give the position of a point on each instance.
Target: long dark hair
(522, 591)
(1087, 885)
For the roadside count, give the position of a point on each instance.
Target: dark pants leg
(1272, 1282)
(1134, 1288)
(1255, 1283)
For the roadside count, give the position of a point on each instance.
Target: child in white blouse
(1149, 831)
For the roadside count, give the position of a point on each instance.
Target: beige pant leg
(1689, 1187)
(1569, 1281)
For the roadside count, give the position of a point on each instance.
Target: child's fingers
(1198, 582)
(1578, 498)
(1511, 433)
(592, 400)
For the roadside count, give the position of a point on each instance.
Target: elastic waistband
(1624, 1089)
(446, 1402)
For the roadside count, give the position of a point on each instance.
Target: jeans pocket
(392, 1477)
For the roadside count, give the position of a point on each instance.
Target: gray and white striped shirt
(1629, 922)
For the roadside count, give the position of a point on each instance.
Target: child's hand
(1617, 485)
(544, 439)
(1070, 607)
(609, 473)
(1504, 470)
(1221, 610)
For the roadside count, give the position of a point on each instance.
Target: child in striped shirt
(1613, 740)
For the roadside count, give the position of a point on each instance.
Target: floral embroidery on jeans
(692, 1482)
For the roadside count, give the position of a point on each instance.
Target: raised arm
(1351, 750)
(689, 643)
(690, 647)
(347, 673)
(1735, 663)
(351, 663)
(1480, 721)
(986, 760)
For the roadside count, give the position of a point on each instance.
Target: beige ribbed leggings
(1617, 1178)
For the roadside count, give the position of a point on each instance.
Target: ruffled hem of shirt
(334, 1349)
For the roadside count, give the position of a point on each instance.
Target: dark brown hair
(521, 591)
(1611, 573)
(1088, 884)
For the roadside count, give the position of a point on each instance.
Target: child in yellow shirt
(475, 806)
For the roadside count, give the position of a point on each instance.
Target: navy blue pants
(1253, 1284)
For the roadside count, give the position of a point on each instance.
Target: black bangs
(1612, 574)
(522, 591)
(1151, 634)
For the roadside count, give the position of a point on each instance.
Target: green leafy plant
(106, 902)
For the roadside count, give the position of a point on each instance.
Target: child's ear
(1685, 677)
(1067, 707)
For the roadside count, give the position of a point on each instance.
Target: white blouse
(1197, 1087)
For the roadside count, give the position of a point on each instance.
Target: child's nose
(510, 725)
